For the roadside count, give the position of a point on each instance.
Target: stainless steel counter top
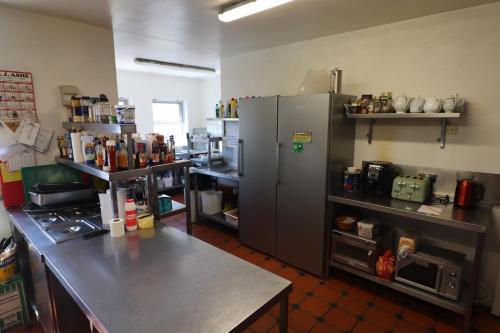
(162, 280)
(216, 171)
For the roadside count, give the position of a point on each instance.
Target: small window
(169, 119)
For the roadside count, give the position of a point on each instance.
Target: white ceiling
(188, 31)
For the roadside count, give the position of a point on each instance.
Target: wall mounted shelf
(443, 117)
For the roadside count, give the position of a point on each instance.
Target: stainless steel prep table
(163, 280)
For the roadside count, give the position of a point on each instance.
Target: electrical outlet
(451, 130)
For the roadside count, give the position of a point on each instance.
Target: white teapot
(454, 104)
(417, 104)
(433, 105)
(402, 103)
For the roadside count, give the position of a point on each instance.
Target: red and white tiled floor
(342, 303)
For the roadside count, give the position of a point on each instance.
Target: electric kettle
(468, 192)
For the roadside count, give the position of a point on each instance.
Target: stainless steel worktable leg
(284, 314)
(475, 275)
(187, 200)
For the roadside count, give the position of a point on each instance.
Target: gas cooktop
(66, 223)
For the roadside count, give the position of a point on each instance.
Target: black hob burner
(49, 220)
(74, 214)
(66, 223)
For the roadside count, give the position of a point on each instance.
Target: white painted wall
(211, 92)
(57, 52)
(454, 52)
(197, 93)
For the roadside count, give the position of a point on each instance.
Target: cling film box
(13, 305)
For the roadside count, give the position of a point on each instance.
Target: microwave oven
(433, 269)
(355, 251)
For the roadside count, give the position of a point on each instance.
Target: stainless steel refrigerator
(292, 150)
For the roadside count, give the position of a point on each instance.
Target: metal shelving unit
(223, 119)
(149, 173)
(102, 128)
(458, 307)
(216, 172)
(177, 208)
(126, 129)
(219, 218)
(474, 221)
(371, 117)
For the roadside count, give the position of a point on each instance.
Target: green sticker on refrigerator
(298, 147)
(298, 140)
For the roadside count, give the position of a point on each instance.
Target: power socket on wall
(451, 130)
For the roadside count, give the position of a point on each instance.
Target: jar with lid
(352, 179)
(86, 103)
(103, 113)
(76, 108)
(93, 109)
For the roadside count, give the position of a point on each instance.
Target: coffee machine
(378, 177)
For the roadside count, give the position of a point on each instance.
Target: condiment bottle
(155, 156)
(99, 154)
(130, 215)
(143, 159)
(122, 156)
(111, 148)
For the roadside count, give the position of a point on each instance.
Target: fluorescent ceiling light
(142, 61)
(246, 8)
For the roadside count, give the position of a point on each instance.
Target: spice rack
(149, 172)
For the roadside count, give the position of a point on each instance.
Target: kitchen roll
(121, 195)
(106, 207)
(76, 144)
(117, 227)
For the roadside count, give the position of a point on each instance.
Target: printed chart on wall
(17, 98)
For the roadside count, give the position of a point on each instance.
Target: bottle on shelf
(234, 104)
(99, 154)
(216, 110)
(155, 156)
(221, 109)
(122, 156)
(111, 148)
(130, 215)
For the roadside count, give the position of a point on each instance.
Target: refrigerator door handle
(278, 146)
(240, 157)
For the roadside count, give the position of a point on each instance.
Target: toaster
(416, 189)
